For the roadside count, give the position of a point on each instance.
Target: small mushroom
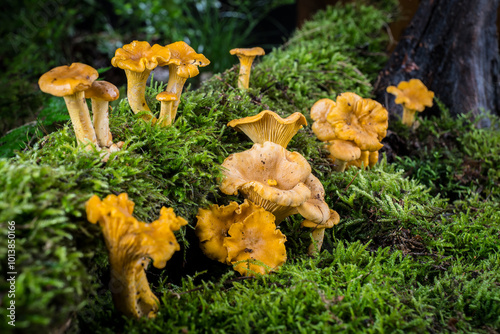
(269, 176)
(100, 94)
(246, 57)
(414, 96)
(130, 244)
(255, 246)
(138, 59)
(214, 223)
(269, 126)
(359, 120)
(342, 152)
(70, 82)
(167, 101)
(367, 159)
(318, 232)
(321, 128)
(184, 63)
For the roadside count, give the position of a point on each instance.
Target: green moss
(414, 251)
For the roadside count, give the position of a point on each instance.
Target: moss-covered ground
(416, 250)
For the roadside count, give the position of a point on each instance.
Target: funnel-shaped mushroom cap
(255, 245)
(214, 223)
(130, 243)
(269, 126)
(166, 97)
(102, 90)
(139, 56)
(344, 150)
(321, 128)
(362, 121)
(187, 59)
(332, 221)
(251, 52)
(412, 94)
(68, 80)
(269, 176)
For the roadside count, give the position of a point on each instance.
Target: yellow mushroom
(321, 128)
(342, 152)
(269, 126)
(167, 101)
(71, 82)
(246, 57)
(138, 59)
(318, 232)
(184, 63)
(131, 244)
(214, 223)
(255, 246)
(414, 96)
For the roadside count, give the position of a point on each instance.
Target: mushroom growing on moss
(184, 63)
(167, 101)
(321, 128)
(255, 246)
(318, 231)
(269, 126)
(214, 223)
(359, 120)
(269, 176)
(130, 244)
(100, 94)
(342, 152)
(71, 82)
(414, 96)
(246, 57)
(138, 59)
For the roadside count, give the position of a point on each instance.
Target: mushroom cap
(166, 96)
(315, 209)
(269, 126)
(214, 223)
(334, 220)
(344, 150)
(412, 94)
(187, 60)
(321, 108)
(250, 52)
(68, 80)
(255, 245)
(139, 56)
(250, 172)
(362, 121)
(102, 90)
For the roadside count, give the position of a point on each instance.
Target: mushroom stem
(408, 116)
(101, 122)
(245, 69)
(365, 159)
(318, 234)
(136, 91)
(339, 165)
(80, 117)
(175, 85)
(165, 118)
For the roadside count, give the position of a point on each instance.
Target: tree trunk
(452, 46)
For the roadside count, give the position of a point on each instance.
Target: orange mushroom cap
(344, 150)
(139, 56)
(214, 223)
(166, 96)
(362, 121)
(103, 90)
(68, 80)
(321, 128)
(269, 126)
(249, 52)
(255, 246)
(412, 94)
(187, 59)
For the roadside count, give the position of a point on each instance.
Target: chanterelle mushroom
(414, 96)
(70, 82)
(138, 59)
(255, 246)
(359, 120)
(214, 223)
(183, 64)
(167, 101)
(269, 126)
(130, 244)
(101, 93)
(318, 232)
(269, 176)
(342, 152)
(246, 57)
(321, 128)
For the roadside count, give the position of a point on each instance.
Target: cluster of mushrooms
(274, 182)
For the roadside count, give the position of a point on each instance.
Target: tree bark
(452, 46)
